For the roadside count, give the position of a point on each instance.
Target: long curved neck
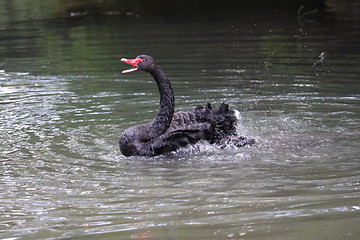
(167, 104)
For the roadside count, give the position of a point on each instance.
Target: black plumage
(170, 131)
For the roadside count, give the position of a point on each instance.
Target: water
(64, 103)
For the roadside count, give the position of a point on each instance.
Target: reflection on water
(64, 103)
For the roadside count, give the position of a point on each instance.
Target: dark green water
(64, 103)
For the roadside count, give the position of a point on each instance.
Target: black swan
(169, 130)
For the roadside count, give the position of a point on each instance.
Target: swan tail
(225, 128)
(225, 122)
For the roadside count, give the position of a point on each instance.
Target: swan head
(141, 62)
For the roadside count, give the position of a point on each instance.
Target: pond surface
(64, 103)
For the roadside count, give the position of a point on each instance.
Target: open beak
(133, 62)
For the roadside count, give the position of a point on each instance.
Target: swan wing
(190, 134)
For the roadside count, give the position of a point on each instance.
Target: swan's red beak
(133, 62)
